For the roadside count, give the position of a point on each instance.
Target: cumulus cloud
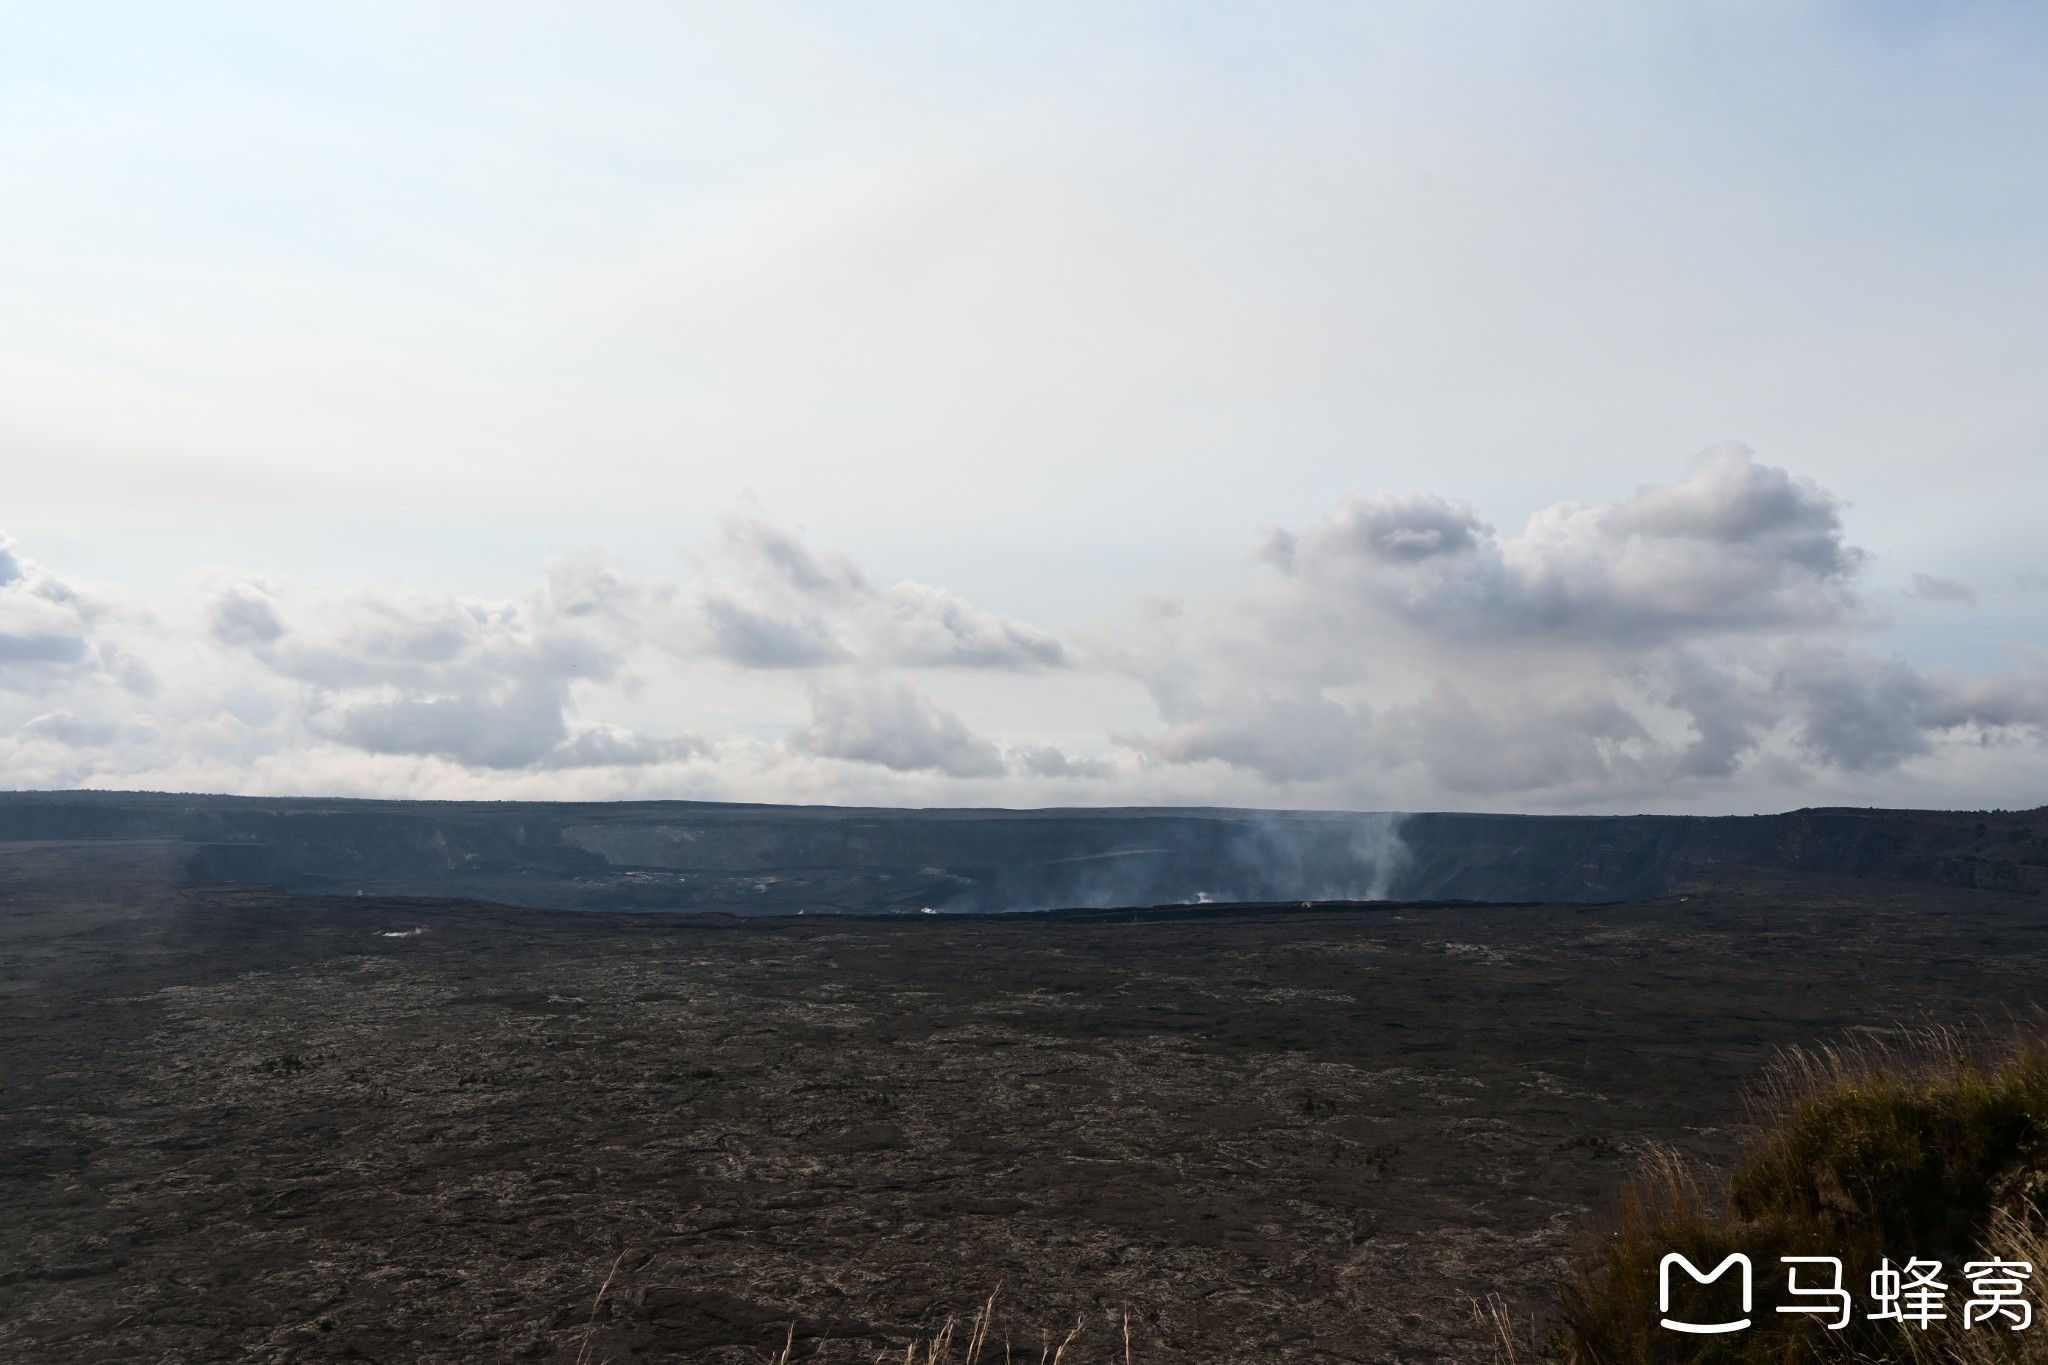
(894, 725)
(1734, 547)
(1728, 706)
(607, 746)
(1859, 712)
(503, 686)
(244, 613)
(480, 683)
(1049, 760)
(1462, 744)
(1662, 642)
(515, 729)
(62, 727)
(44, 623)
(1283, 739)
(1578, 740)
(1701, 642)
(776, 603)
(55, 635)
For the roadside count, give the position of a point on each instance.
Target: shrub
(1934, 1148)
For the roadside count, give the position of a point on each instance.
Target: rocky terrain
(237, 1124)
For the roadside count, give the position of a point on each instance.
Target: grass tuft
(584, 1354)
(1935, 1146)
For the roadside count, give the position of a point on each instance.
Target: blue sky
(1062, 312)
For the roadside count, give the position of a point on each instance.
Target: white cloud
(773, 602)
(1681, 640)
(1857, 712)
(64, 728)
(1734, 547)
(55, 636)
(45, 626)
(1049, 760)
(505, 690)
(1697, 644)
(893, 725)
(1282, 739)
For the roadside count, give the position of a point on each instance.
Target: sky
(1590, 407)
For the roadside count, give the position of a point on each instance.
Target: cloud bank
(1705, 643)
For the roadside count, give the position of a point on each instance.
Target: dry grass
(976, 1342)
(2014, 1234)
(1934, 1145)
(583, 1352)
(978, 1345)
(939, 1350)
(1510, 1342)
(1889, 1141)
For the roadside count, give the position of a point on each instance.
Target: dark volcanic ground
(237, 1126)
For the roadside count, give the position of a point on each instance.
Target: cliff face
(780, 859)
(1596, 858)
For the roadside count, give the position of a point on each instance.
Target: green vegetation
(1935, 1148)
